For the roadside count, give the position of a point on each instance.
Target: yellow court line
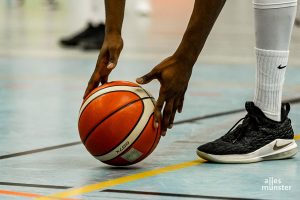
(125, 179)
(121, 180)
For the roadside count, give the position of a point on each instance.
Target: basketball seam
(112, 113)
(102, 95)
(129, 132)
(105, 88)
(150, 149)
(133, 141)
(150, 96)
(146, 92)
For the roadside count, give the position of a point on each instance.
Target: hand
(173, 75)
(107, 61)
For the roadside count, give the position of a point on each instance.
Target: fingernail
(140, 80)
(156, 124)
(171, 126)
(110, 66)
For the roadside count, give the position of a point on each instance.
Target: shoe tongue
(254, 110)
(285, 109)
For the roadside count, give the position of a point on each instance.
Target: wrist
(186, 56)
(113, 31)
(114, 36)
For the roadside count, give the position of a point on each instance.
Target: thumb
(146, 78)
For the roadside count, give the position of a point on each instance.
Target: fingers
(157, 110)
(171, 120)
(181, 101)
(93, 83)
(180, 104)
(104, 80)
(166, 116)
(107, 61)
(146, 78)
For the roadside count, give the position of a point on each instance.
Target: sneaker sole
(275, 150)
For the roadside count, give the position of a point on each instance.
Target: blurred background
(152, 29)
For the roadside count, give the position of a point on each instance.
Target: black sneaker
(93, 43)
(256, 139)
(297, 22)
(89, 32)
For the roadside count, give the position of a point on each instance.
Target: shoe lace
(237, 131)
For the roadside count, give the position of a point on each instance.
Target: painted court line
(34, 185)
(190, 196)
(121, 180)
(39, 150)
(126, 179)
(291, 101)
(28, 195)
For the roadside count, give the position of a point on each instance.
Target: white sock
(270, 72)
(274, 21)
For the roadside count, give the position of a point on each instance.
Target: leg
(93, 35)
(297, 22)
(266, 132)
(273, 24)
(96, 18)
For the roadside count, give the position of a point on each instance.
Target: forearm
(114, 10)
(204, 15)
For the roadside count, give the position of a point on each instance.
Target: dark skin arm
(112, 45)
(174, 72)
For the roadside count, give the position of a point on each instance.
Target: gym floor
(41, 91)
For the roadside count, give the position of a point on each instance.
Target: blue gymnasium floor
(41, 91)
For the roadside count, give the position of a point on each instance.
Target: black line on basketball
(103, 95)
(143, 109)
(112, 113)
(151, 148)
(128, 148)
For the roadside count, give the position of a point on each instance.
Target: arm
(114, 10)
(174, 72)
(201, 22)
(112, 45)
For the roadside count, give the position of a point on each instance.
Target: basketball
(116, 123)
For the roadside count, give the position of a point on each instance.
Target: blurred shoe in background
(94, 42)
(297, 22)
(86, 37)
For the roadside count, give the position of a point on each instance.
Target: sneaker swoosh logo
(281, 67)
(276, 147)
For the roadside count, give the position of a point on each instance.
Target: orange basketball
(116, 123)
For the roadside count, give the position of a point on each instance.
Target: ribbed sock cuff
(271, 67)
